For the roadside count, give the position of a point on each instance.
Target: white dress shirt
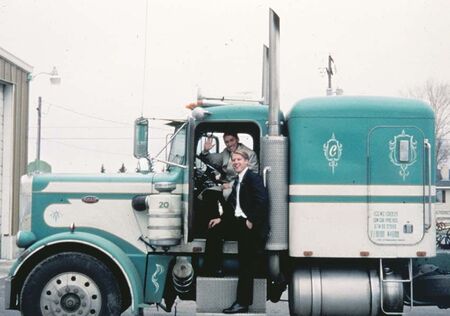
(238, 211)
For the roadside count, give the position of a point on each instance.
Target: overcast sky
(380, 47)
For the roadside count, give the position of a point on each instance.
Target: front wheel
(70, 283)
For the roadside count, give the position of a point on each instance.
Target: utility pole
(41, 166)
(38, 144)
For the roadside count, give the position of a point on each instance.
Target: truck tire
(70, 283)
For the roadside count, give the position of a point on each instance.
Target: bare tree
(437, 94)
(122, 169)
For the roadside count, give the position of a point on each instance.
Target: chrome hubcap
(70, 302)
(70, 294)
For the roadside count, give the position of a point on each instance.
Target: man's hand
(226, 185)
(208, 144)
(249, 224)
(214, 222)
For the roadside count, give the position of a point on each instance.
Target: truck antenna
(330, 73)
(145, 59)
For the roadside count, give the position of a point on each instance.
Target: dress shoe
(236, 308)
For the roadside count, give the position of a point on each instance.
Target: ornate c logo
(332, 151)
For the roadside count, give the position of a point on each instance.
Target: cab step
(221, 314)
(216, 294)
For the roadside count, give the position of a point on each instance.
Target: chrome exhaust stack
(274, 75)
(265, 76)
(274, 163)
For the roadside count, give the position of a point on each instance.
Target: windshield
(178, 147)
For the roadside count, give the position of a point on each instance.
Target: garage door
(1, 151)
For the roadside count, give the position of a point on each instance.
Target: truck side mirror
(141, 138)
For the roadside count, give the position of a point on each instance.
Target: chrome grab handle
(265, 170)
(427, 219)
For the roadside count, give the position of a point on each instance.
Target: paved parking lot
(187, 308)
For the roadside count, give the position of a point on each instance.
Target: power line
(102, 127)
(91, 150)
(87, 115)
(108, 120)
(102, 119)
(92, 138)
(115, 127)
(87, 138)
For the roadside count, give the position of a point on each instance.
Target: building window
(440, 196)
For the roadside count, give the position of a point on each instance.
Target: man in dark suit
(245, 220)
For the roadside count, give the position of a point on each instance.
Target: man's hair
(228, 133)
(241, 153)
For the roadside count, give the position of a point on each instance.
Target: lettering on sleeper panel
(385, 226)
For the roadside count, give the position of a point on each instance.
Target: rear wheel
(70, 283)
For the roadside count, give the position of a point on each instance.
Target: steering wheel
(207, 178)
(208, 165)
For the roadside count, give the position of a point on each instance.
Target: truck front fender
(102, 245)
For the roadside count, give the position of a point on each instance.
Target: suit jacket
(254, 202)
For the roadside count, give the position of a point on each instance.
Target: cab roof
(361, 106)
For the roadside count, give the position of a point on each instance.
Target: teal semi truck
(351, 185)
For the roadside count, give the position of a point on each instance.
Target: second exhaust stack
(274, 75)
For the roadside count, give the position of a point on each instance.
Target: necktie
(232, 198)
(235, 183)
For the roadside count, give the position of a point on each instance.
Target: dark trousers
(206, 209)
(234, 229)
(211, 200)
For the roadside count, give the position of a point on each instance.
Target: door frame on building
(7, 239)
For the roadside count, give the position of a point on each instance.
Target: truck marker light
(421, 253)
(364, 253)
(193, 105)
(307, 253)
(90, 199)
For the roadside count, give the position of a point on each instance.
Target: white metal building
(443, 196)
(14, 97)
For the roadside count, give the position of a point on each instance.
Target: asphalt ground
(187, 308)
